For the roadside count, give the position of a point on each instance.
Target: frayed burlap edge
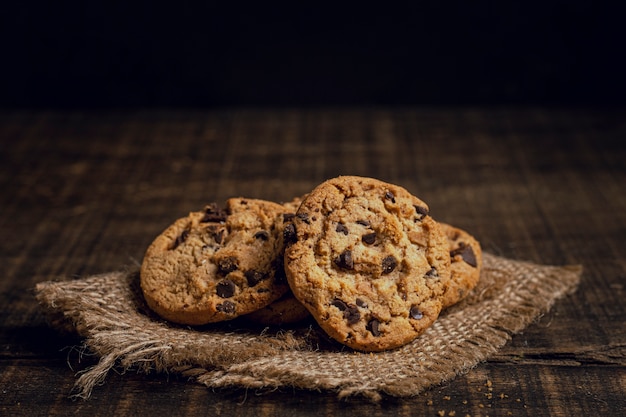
(108, 311)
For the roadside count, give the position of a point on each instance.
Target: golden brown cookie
(367, 261)
(465, 264)
(286, 310)
(293, 205)
(217, 264)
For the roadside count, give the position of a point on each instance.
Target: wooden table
(86, 192)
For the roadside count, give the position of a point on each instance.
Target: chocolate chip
(212, 213)
(219, 236)
(389, 264)
(344, 260)
(416, 313)
(304, 217)
(363, 223)
(216, 233)
(432, 273)
(341, 228)
(262, 235)
(389, 196)
(361, 303)
(466, 253)
(369, 238)
(350, 311)
(228, 264)
(180, 239)
(227, 307)
(372, 327)
(421, 211)
(289, 234)
(225, 289)
(339, 304)
(288, 216)
(352, 314)
(254, 277)
(279, 270)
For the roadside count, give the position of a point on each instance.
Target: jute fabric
(108, 312)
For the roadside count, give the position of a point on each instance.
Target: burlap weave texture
(109, 313)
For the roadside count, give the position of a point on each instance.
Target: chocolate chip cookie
(293, 205)
(465, 264)
(217, 264)
(368, 262)
(286, 310)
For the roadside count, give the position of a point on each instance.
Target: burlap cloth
(109, 313)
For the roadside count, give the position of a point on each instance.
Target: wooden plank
(84, 193)
(537, 390)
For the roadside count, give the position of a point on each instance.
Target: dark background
(150, 54)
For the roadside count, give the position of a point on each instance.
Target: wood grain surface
(86, 192)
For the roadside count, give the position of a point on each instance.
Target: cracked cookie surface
(217, 264)
(367, 261)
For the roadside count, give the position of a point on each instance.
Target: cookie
(285, 310)
(217, 264)
(465, 264)
(293, 205)
(368, 262)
